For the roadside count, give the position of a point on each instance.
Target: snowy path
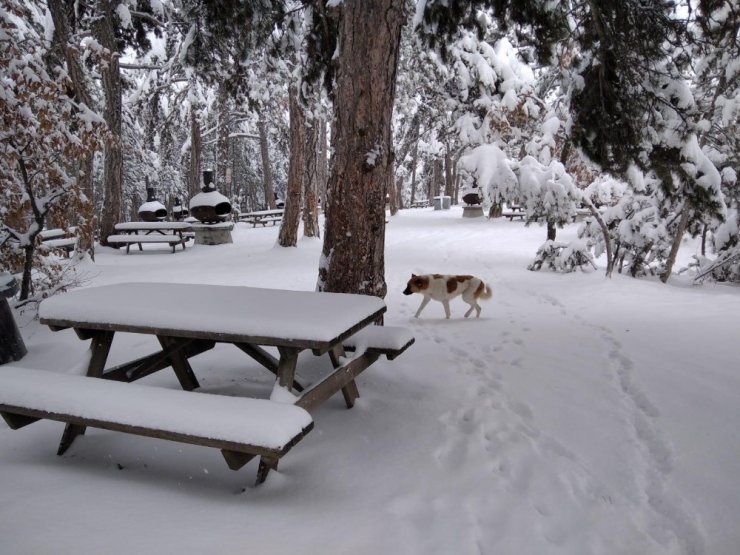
(578, 415)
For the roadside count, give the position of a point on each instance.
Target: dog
(442, 288)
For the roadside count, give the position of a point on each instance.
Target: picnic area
(555, 423)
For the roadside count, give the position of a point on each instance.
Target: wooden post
(11, 343)
(12, 347)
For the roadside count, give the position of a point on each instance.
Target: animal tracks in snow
(532, 489)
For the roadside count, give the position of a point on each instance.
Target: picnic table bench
(230, 424)
(58, 239)
(187, 320)
(514, 214)
(139, 233)
(262, 217)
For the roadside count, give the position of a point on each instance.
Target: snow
(207, 415)
(151, 206)
(209, 198)
(230, 311)
(578, 415)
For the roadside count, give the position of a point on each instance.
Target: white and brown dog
(442, 288)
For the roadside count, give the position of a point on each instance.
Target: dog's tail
(484, 291)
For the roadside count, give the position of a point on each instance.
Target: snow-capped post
(179, 212)
(11, 343)
(152, 210)
(212, 209)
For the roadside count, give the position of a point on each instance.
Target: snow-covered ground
(578, 415)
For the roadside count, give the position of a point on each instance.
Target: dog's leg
(446, 304)
(424, 302)
(470, 310)
(477, 310)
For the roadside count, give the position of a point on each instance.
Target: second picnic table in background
(263, 217)
(136, 233)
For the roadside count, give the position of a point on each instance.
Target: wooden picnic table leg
(266, 360)
(180, 364)
(266, 464)
(349, 391)
(286, 366)
(99, 347)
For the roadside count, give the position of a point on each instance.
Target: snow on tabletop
(253, 421)
(218, 225)
(129, 226)
(380, 337)
(246, 311)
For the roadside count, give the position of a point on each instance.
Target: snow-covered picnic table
(263, 217)
(189, 319)
(137, 233)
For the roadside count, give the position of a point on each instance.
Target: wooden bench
(263, 217)
(235, 425)
(512, 215)
(383, 340)
(128, 240)
(274, 220)
(62, 240)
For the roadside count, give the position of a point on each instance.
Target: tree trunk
(111, 81)
(195, 149)
(223, 162)
(291, 217)
(322, 162)
(311, 180)
(449, 182)
(414, 163)
(551, 231)
(266, 168)
(62, 35)
(607, 240)
(353, 258)
(682, 225)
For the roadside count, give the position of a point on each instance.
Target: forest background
(626, 109)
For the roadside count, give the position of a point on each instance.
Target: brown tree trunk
(414, 163)
(196, 144)
(322, 162)
(62, 35)
(353, 258)
(682, 225)
(266, 168)
(311, 180)
(111, 81)
(551, 231)
(223, 162)
(449, 181)
(291, 217)
(605, 232)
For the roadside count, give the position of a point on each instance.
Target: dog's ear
(413, 275)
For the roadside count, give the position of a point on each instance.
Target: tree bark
(291, 217)
(449, 182)
(682, 225)
(311, 180)
(62, 35)
(414, 163)
(223, 162)
(266, 168)
(195, 149)
(605, 231)
(111, 81)
(353, 258)
(322, 162)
